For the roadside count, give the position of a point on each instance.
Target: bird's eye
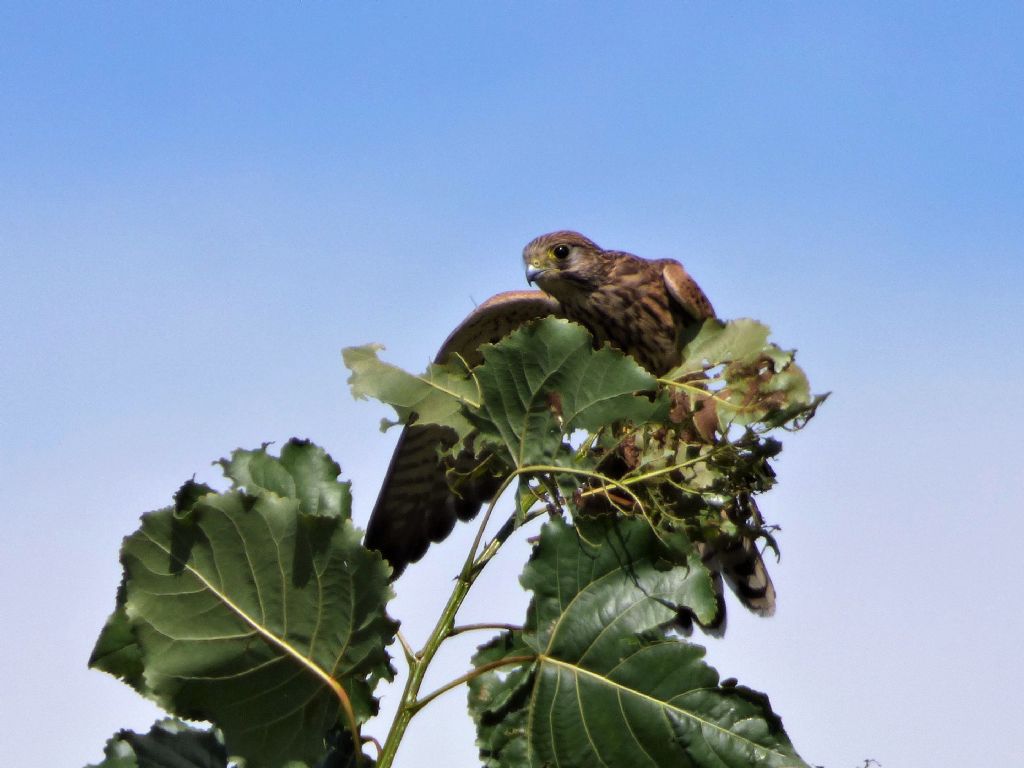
(561, 251)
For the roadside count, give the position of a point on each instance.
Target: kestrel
(642, 307)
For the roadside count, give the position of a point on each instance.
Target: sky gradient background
(200, 204)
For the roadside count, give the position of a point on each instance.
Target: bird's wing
(685, 291)
(415, 505)
(493, 320)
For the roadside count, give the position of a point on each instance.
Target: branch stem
(417, 670)
(420, 703)
(485, 625)
(445, 627)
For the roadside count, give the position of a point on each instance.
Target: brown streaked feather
(740, 562)
(492, 321)
(685, 291)
(633, 309)
(415, 505)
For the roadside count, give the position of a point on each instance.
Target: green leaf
(117, 651)
(757, 383)
(341, 753)
(435, 397)
(168, 743)
(771, 390)
(244, 598)
(117, 754)
(545, 380)
(304, 471)
(610, 686)
(605, 570)
(497, 702)
(718, 341)
(658, 704)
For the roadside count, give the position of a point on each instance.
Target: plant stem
(473, 627)
(608, 481)
(418, 668)
(421, 703)
(444, 628)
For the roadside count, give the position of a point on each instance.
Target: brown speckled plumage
(640, 306)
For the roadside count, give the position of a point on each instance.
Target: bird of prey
(642, 307)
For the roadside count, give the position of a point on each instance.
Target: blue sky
(200, 204)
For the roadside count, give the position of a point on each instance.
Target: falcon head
(564, 264)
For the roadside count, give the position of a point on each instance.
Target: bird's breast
(633, 316)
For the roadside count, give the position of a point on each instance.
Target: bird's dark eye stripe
(560, 251)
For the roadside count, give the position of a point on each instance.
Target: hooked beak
(532, 273)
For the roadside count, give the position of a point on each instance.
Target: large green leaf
(251, 613)
(545, 380)
(608, 578)
(437, 396)
(609, 685)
